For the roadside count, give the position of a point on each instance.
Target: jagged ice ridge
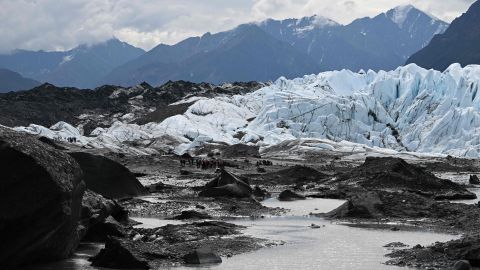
(408, 109)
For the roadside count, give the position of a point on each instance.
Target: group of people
(72, 139)
(184, 161)
(210, 164)
(264, 163)
(202, 163)
(68, 139)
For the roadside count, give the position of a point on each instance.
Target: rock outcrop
(473, 180)
(288, 195)
(363, 205)
(102, 217)
(387, 173)
(456, 254)
(378, 205)
(122, 254)
(227, 185)
(107, 177)
(41, 193)
(159, 247)
(295, 175)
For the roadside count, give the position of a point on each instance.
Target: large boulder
(473, 180)
(107, 177)
(96, 208)
(102, 217)
(108, 227)
(123, 254)
(227, 185)
(41, 193)
(363, 205)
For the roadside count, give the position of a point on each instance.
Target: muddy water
(332, 246)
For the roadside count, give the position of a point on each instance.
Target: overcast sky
(63, 24)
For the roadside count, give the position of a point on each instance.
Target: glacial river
(332, 246)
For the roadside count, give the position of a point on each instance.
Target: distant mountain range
(459, 44)
(13, 81)
(382, 42)
(81, 67)
(250, 52)
(246, 53)
(291, 48)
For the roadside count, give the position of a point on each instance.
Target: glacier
(409, 109)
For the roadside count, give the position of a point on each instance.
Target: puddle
(305, 207)
(149, 223)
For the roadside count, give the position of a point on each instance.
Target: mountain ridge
(80, 67)
(13, 81)
(361, 44)
(459, 43)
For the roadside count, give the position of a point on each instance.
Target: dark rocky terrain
(440, 255)
(379, 192)
(171, 244)
(44, 185)
(47, 104)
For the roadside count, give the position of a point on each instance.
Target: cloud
(59, 25)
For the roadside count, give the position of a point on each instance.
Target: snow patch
(66, 59)
(400, 14)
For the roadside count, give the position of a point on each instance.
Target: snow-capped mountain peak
(306, 24)
(299, 26)
(318, 21)
(400, 14)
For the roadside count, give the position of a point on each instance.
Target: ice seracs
(409, 109)
(60, 131)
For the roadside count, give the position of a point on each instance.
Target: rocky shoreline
(387, 193)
